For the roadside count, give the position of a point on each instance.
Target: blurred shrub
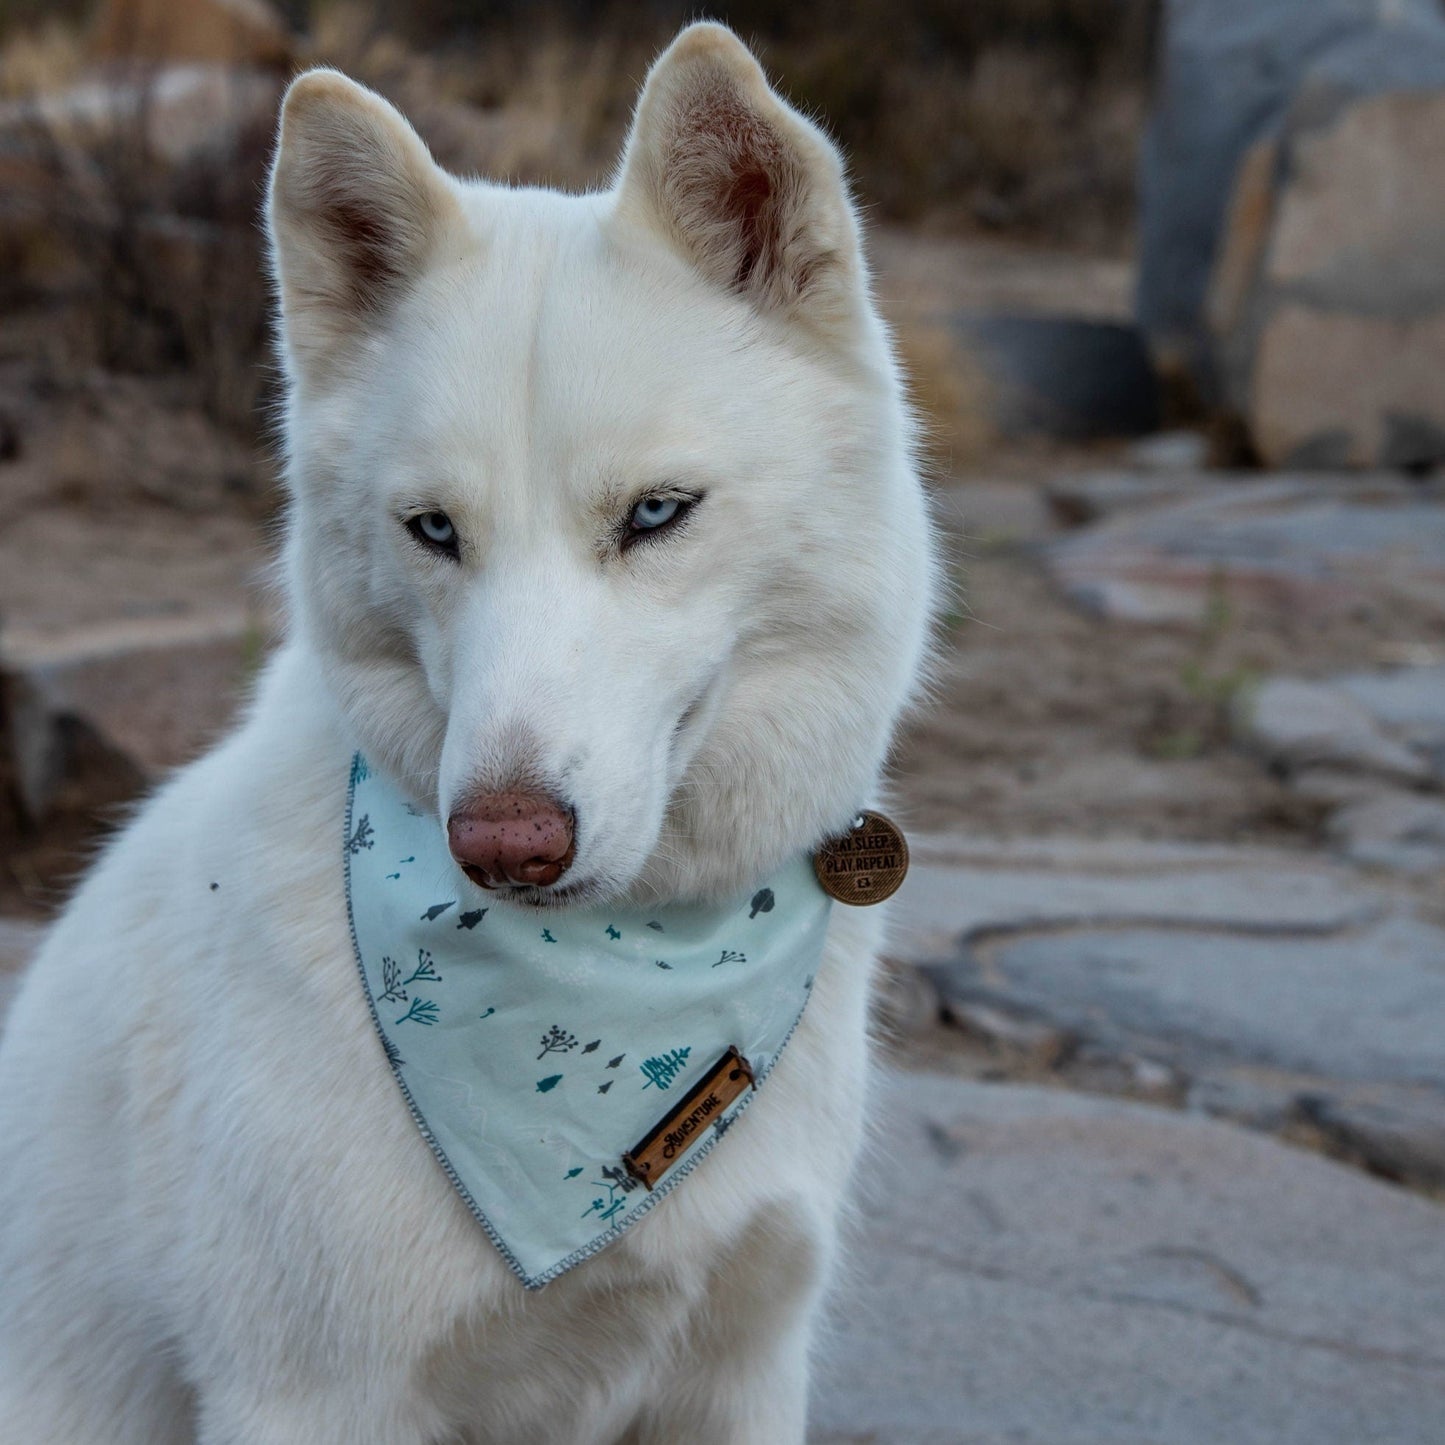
(1017, 114)
(142, 238)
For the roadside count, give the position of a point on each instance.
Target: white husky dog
(605, 506)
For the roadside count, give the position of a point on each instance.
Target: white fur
(218, 1222)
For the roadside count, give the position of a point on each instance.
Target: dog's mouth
(566, 895)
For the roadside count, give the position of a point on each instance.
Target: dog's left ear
(356, 211)
(747, 189)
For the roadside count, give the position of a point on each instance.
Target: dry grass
(148, 259)
(1002, 114)
(39, 60)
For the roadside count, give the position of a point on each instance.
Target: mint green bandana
(537, 1047)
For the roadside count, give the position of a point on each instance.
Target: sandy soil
(1046, 721)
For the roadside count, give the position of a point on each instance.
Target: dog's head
(605, 529)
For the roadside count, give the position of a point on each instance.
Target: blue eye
(654, 512)
(434, 530)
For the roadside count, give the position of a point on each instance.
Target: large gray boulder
(1291, 256)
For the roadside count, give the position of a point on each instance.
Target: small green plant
(1177, 746)
(1212, 692)
(1218, 688)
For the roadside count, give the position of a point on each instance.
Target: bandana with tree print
(536, 1047)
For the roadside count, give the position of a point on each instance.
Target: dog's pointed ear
(355, 209)
(746, 188)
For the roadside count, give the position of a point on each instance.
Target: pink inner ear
(368, 246)
(750, 199)
(727, 177)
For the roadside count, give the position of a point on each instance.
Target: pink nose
(501, 838)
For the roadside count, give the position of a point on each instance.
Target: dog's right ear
(748, 190)
(356, 208)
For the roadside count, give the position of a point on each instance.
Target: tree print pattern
(663, 1069)
(391, 989)
(425, 969)
(618, 1184)
(557, 1041)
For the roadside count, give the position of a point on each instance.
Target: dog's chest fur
(373, 1251)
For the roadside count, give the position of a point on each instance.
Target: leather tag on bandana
(705, 1103)
(866, 865)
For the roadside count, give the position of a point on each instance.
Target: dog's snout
(501, 838)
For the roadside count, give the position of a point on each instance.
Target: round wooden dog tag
(866, 865)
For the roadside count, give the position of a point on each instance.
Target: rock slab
(1041, 1268)
(1265, 987)
(1327, 311)
(1228, 72)
(132, 697)
(1320, 545)
(1298, 724)
(1369, 745)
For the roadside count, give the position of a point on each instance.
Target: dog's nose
(501, 838)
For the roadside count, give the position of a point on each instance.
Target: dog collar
(567, 1066)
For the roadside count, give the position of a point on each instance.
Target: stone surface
(1230, 73)
(1359, 1006)
(1350, 743)
(1410, 701)
(1039, 1268)
(1398, 1133)
(1402, 831)
(1262, 987)
(968, 889)
(1328, 315)
(141, 695)
(1319, 545)
(1297, 724)
(1330, 390)
(1334, 787)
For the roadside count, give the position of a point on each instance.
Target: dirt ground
(1047, 721)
